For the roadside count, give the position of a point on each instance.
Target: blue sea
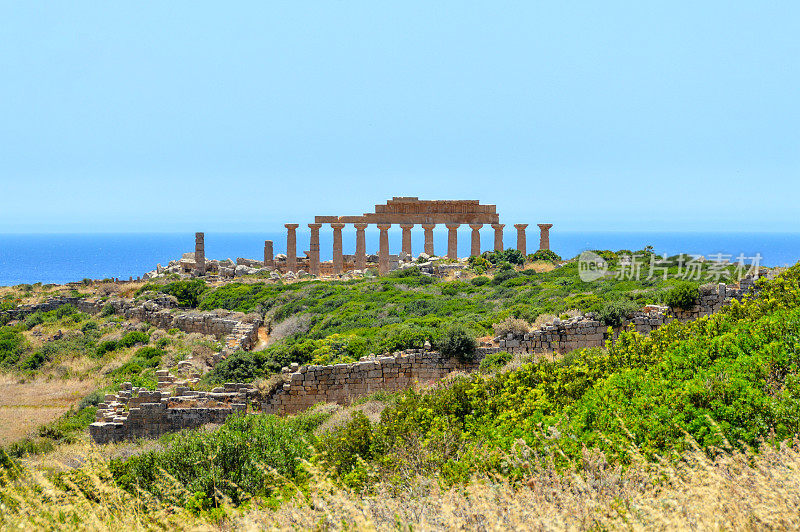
(59, 258)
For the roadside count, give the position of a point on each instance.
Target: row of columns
(383, 247)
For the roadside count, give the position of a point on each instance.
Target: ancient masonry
(236, 329)
(138, 413)
(403, 211)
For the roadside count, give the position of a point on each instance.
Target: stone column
(314, 249)
(338, 257)
(383, 253)
(291, 247)
(452, 241)
(429, 238)
(476, 239)
(361, 247)
(498, 236)
(407, 238)
(200, 253)
(521, 241)
(268, 258)
(544, 235)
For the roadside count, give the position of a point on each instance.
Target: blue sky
(162, 116)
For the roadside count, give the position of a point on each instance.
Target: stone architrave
(361, 247)
(498, 236)
(313, 254)
(383, 252)
(338, 256)
(522, 245)
(200, 253)
(407, 238)
(268, 256)
(544, 235)
(452, 241)
(291, 247)
(475, 249)
(428, 228)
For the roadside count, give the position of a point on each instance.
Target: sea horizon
(64, 257)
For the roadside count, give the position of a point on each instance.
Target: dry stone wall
(139, 413)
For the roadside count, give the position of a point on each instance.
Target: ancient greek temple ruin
(406, 212)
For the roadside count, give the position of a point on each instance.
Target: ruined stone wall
(341, 383)
(138, 413)
(562, 336)
(236, 329)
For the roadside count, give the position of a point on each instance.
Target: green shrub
(106, 346)
(89, 326)
(12, 345)
(613, 313)
(65, 310)
(683, 296)
(495, 361)
(32, 320)
(241, 366)
(107, 310)
(480, 280)
(132, 338)
(457, 343)
(186, 292)
(544, 255)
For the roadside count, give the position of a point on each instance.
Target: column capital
(407, 226)
(337, 225)
(291, 226)
(428, 226)
(545, 226)
(476, 226)
(383, 227)
(361, 225)
(311, 226)
(498, 226)
(520, 226)
(452, 226)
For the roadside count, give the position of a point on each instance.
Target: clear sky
(242, 116)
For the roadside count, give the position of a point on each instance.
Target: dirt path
(263, 339)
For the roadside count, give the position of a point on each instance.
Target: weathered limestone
(291, 247)
(338, 256)
(521, 240)
(383, 252)
(361, 246)
(544, 235)
(414, 210)
(498, 236)
(452, 240)
(200, 253)
(407, 238)
(476, 239)
(269, 260)
(313, 255)
(428, 228)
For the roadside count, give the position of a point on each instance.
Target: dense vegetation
(723, 381)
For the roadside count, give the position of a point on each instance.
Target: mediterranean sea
(59, 258)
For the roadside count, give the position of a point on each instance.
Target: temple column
(407, 238)
(521, 241)
(476, 239)
(361, 247)
(452, 241)
(544, 235)
(383, 253)
(498, 236)
(200, 253)
(338, 258)
(314, 249)
(268, 258)
(291, 247)
(429, 238)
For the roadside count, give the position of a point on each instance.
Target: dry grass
(734, 491)
(539, 266)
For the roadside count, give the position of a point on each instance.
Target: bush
(457, 343)
(545, 255)
(613, 313)
(241, 366)
(12, 345)
(89, 326)
(512, 256)
(32, 320)
(512, 325)
(683, 296)
(132, 338)
(495, 361)
(108, 310)
(504, 273)
(480, 280)
(65, 310)
(106, 346)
